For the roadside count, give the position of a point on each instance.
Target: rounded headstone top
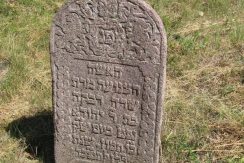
(122, 30)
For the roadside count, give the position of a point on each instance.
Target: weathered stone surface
(108, 68)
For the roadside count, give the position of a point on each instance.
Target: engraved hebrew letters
(108, 69)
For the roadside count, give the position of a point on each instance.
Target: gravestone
(108, 69)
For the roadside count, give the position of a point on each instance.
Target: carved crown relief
(114, 29)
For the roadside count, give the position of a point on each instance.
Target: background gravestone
(108, 68)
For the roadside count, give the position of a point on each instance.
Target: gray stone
(108, 69)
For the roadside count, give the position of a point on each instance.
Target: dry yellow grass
(204, 106)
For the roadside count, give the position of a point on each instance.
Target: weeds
(204, 109)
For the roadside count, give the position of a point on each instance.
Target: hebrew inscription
(108, 69)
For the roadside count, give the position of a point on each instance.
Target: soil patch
(3, 69)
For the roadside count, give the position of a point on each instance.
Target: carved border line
(62, 130)
(149, 106)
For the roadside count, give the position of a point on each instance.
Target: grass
(204, 106)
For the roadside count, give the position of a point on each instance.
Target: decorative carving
(108, 62)
(109, 29)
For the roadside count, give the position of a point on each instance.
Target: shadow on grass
(37, 133)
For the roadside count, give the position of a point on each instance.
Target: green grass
(204, 109)
(205, 93)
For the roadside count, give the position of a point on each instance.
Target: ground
(204, 105)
